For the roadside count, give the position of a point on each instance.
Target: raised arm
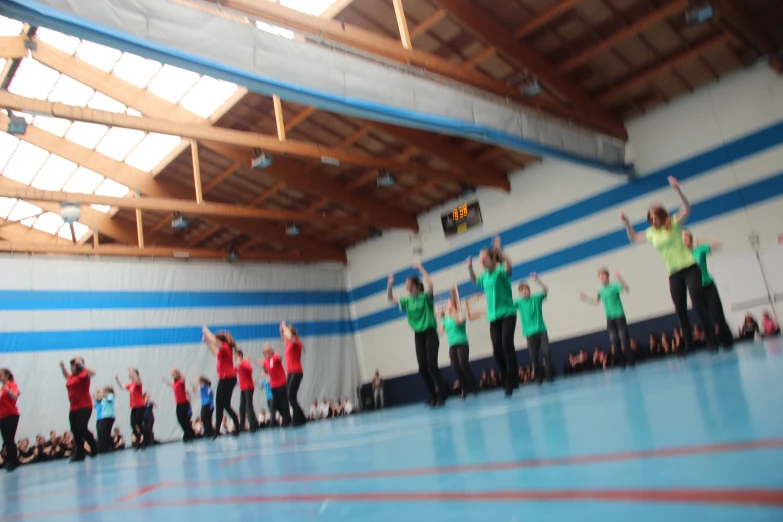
(119, 383)
(390, 290)
(66, 373)
(430, 286)
(714, 245)
(470, 270)
(588, 298)
(209, 339)
(89, 371)
(633, 237)
(534, 277)
(7, 391)
(685, 209)
(285, 332)
(620, 280)
(502, 255)
(165, 380)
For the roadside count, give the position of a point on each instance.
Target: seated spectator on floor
(324, 412)
(749, 329)
(528, 373)
(336, 409)
(599, 358)
(614, 358)
(677, 343)
(313, 415)
(456, 389)
(27, 453)
(654, 349)
(40, 447)
(347, 406)
(3, 454)
(768, 326)
(639, 354)
(67, 445)
(117, 441)
(50, 444)
(264, 419)
(699, 337)
(484, 382)
(666, 344)
(198, 427)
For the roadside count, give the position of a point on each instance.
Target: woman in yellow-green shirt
(419, 308)
(665, 233)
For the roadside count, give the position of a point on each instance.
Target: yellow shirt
(669, 244)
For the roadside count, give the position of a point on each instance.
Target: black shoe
(236, 433)
(10, 467)
(77, 458)
(440, 402)
(215, 436)
(93, 454)
(508, 394)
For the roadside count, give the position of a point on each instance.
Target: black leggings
(225, 388)
(460, 362)
(501, 331)
(715, 308)
(184, 421)
(688, 281)
(8, 429)
(293, 383)
(206, 418)
(137, 426)
(80, 420)
(104, 433)
(618, 334)
(247, 411)
(536, 342)
(427, 343)
(280, 400)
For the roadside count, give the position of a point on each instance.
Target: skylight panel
(54, 174)
(119, 142)
(171, 83)
(207, 95)
(313, 7)
(23, 211)
(83, 181)
(63, 42)
(279, 31)
(109, 187)
(132, 112)
(98, 55)
(10, 27)
(69, 91)
(33, 79)
(25, 162)
(86, 134)
(101, 208)
(56, 126)
(79, 229)
(49, 223)
(136, 70)
(103, 103)
(8, 145)
(152, 149)
(6, 204)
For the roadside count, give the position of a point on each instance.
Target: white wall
(39, 330)
(721, 113)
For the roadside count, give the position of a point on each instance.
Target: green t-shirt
(497, 288)
(609, 295)
(674, 253)
(455, 332)
(531, 314)
(420, 311)
(700, 256)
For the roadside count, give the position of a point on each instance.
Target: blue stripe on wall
(759, 192)
(85, 300)
(89, 339)
(736, 150)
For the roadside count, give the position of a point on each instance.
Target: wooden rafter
(209, 232)
(737, 20)
(402, 24)
(426, 24)
(334, 10)
(299, 118)
(556, 11)
(372, 174)
(12, 47)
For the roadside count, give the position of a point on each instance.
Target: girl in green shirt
(684, 275)
(616, 324)
(700, 252)
(501, 313)
(419, 308)
(454, 324)
(531, 314)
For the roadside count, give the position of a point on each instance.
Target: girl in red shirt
(246, 388)
(9, 417)
(77, 380)
(293, 364)
(273, 368)
(183, 404)
(137, 405)
(222, 345)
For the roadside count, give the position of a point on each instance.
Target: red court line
(516, 464)
(142, 491)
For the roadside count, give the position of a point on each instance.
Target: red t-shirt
(7, 404)
(293, 356)
(274, 367)
(180, 395)
(225, 362)
(136, 395)
(78, 386)
(245, 372)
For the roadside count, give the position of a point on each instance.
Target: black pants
(206, 418)
(715, 308)
(80, 421)
(184, 421)
(8, 429)
(104, 433)
(225, 388)
(147, 425)
(137, 426)
(540, 342)
(427, 344)
(460, 362)
(501, 331)
(292, 384)
(247, 411)
(618, 334)
(280, 400)
(688, 281)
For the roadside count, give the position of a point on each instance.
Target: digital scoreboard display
(461, 218)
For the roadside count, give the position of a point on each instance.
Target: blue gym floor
(673, 440)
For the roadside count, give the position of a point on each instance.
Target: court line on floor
(142, 491)
(677, 451)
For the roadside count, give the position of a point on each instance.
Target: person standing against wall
(207, 404)
(246, 388)
(454, 324)
(616, 323)
(9, 417)
(701, 249)
(77, 381)
(419, 308)
(377, 390)
(222, 345)
(273, 368)
(182, 404)
(665, 233)
(137, 404)
(531, 313)
(501, 313)
(293, 365)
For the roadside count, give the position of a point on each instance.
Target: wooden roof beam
(737, 20)
(209, 232)
(426, 24)
(13, 47)
(554, 12)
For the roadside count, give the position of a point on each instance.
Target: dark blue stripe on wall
(89, 339)
(704, 210)
(718, 157)
(85, 300)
